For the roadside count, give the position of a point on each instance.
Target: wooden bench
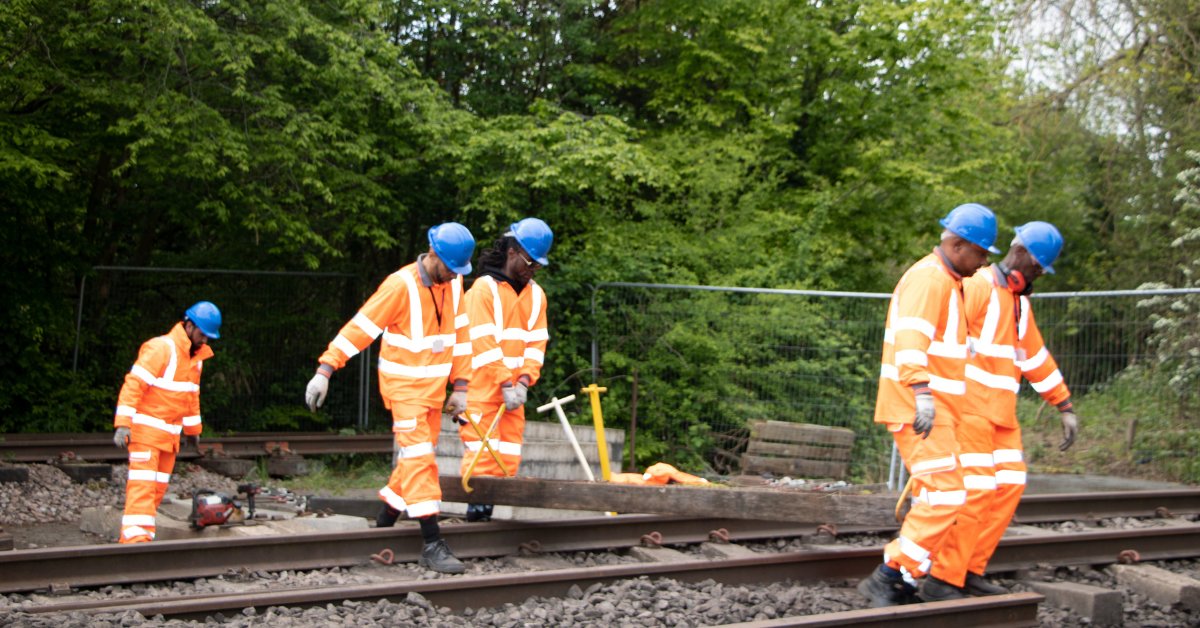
(798, 449)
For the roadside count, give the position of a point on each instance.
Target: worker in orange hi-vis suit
(159, 401)
(507, 313)
(419, 311)
(1004, 343)
(921, 386)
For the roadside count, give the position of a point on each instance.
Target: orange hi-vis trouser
(994, 474)
(149, 475)
(937, 495)
(505, 440)
(413, 486)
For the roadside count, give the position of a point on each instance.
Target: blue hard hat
(207, 317)
(1043, 241)
(974, 223)
(454, 245)
(535, 237)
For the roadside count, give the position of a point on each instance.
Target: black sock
(429, 529)
(387, 517)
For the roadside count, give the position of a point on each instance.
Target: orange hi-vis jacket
(161, 395)
(1005, 344)
(424, 329)
(508, 334)
(925, 341)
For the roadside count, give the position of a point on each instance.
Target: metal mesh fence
(689, 368)
(275, 325)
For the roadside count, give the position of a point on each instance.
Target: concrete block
(12, 473)
(723, 551)
(1102, 606)
(84, 472)
(659, 555)
(236, 468)
(313, 524)
(537, 563)
(102, 521)
(1160, 585)
(288, 465)
(1017, 529)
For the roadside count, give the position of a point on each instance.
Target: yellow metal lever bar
(483, 444)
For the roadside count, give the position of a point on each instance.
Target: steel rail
(93, 565)
(1001, 611)
(1044, 508)
(99, 447)
(495, 590)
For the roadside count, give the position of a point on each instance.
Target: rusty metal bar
(1056, 506)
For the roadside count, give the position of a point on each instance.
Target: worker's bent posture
(419, 312)
(507, 312)
(1005, 344)
(921, 385)
(159, 401)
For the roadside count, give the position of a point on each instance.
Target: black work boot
(882, 588)
(387, 517)
(979, 586)
(935, 590)
(437, 556)
(479, 512)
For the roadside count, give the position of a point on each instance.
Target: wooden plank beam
(764, 504)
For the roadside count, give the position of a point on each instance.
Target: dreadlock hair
(497, 256)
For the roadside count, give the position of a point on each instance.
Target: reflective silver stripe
(487, 357)
(423, 344)
(1007, 455)
(462, 348)
(497, 310)
(461, 321)
(392, 499)
(536, 307)
(948, 349)
(936, 464)
(524, 335)
(424, 509)
(343, 343)
(888, 371)
(1048, 384)
(995, 350)
(416, 451)
(141, 373)
(404, 425)
(975, 460)
(367, 325)
(889, 336)
(456, 297)
(473, 445)
(952, 316)
(156, 423)
(509, 449)
(142, 475)
(134, 531)
(514, 363)
(162, 478)
(912, 550)
(991, 320)
(535, 355)
(416, 321)
(916, 323)
(1037, 360)
(980, 482)
(126, 411)
(138, 520)
(191, 421)
(415, 372)
(991, 380)
(161, 382)
(942, 498)
(947, 386)
(479, 331)
(1023, 324)
(911, 356)
(139, 456)
(173, 362)
(1009, 476)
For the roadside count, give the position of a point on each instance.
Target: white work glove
(456, 403)
(318, 387)
(511, 402)
(923, 421)
(121, 437)
(1070, 424)
(522, 392)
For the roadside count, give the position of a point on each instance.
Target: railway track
(1180, 540)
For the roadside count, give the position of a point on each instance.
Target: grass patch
(339, 473)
